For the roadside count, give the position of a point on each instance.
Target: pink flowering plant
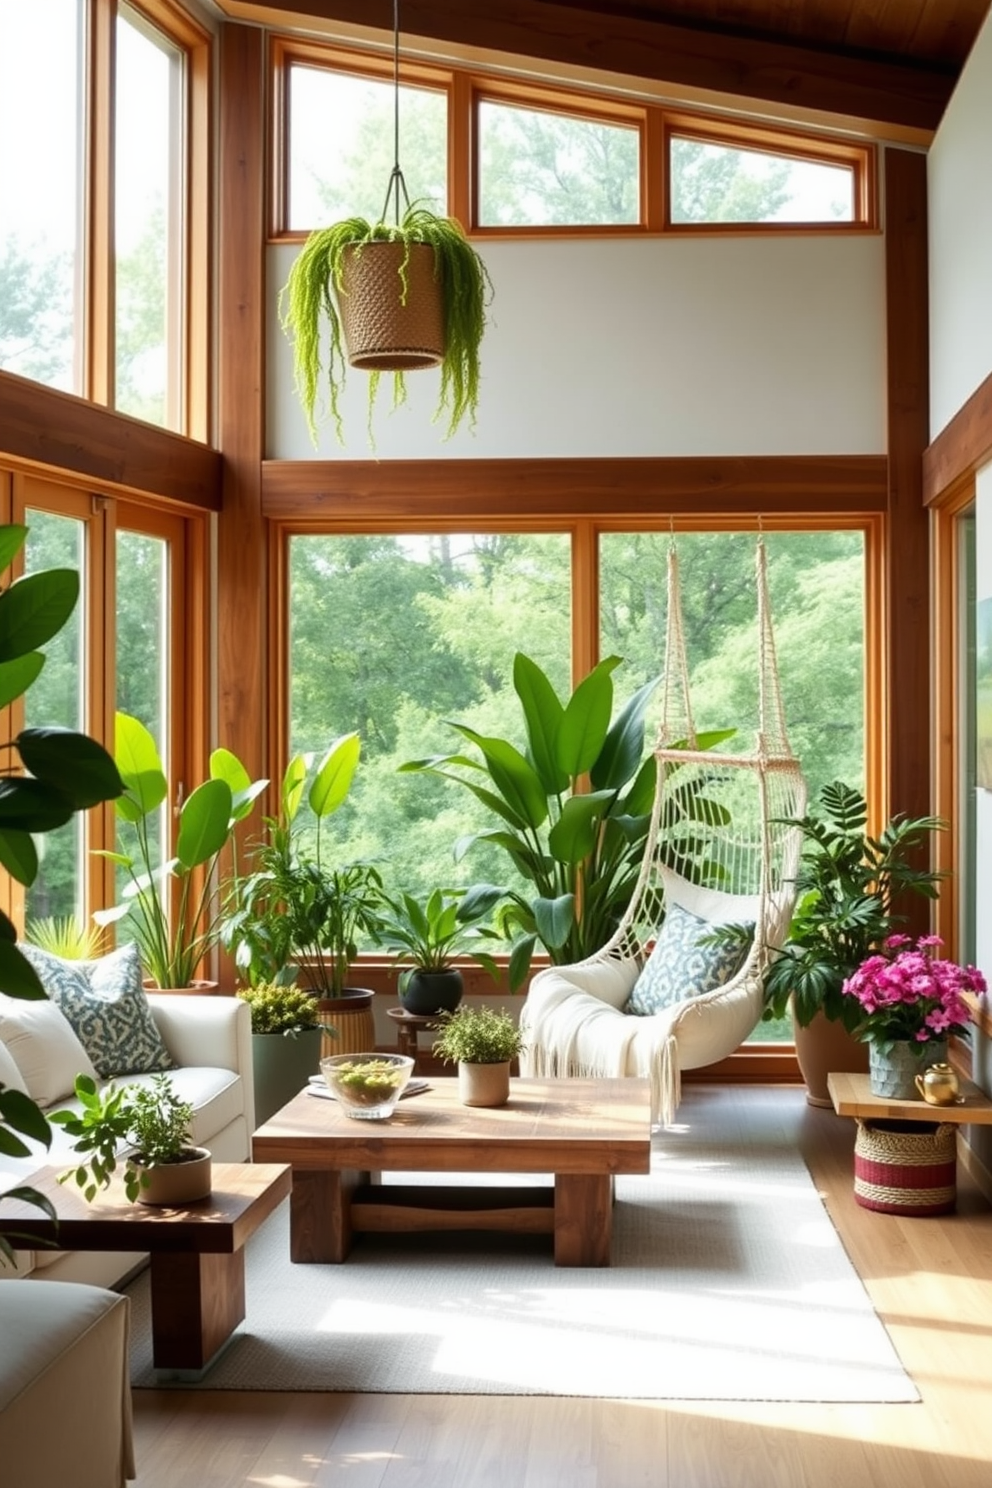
(909, 994)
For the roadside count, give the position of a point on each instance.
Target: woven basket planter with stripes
(905, 1167)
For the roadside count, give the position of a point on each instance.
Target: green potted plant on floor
(400, 296)
(852, 893)
(286, 1040)
(144, 1127)
(173, 938)
(428, 937)
(482, 1042)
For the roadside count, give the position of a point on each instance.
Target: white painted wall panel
(729, 346)
(959, 182)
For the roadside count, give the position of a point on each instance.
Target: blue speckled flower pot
(893, 1072)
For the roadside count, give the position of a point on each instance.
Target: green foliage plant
(285, 1010)
(173, 937)
(66, 936)
(850, 888)
(578, 849)
(153, 1118)
(47, 776)
(293, 908)
(477, 1035)
(315, 284)
(430, 936)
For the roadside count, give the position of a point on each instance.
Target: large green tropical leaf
(554, 919)
(28, 805)
(623, 748)
(293, 784)
(334, 775)
(573, 835)
(141, 769)
(586, 720)
(17, 675)
(19, 855)
(18, 977)
(543, 713)
(204, 823)
(513, 776)
(34, 608)
(79, 767)
(12, 536)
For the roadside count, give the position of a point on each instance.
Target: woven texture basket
(905, 1167)
(381, 333)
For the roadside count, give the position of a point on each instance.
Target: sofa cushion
(44, 1047)
(10, 1075)
(106, 1004)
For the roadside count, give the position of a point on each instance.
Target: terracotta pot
(179, 1183)
(195, 989)
(825, 1046)
(484, 1084)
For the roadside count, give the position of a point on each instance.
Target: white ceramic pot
(484, 1084)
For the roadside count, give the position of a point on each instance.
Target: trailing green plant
(46, 777)
(477, 1035)
(153, 1117)
(286, 1010)
(850, 898)
(294, 912)
(578, 849)
(316, 281)
(66, 936)
(429, 936)
(173, 938)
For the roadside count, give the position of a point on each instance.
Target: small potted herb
(162, 1165)
(482, 1042)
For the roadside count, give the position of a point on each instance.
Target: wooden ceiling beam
(823, 81)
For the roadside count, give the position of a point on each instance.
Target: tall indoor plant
(853, 890)
(421, 256)
(173, 936)
(578, 851)
(48, 775)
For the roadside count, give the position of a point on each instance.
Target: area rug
(728, 1282)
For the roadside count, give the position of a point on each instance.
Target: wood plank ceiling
(883, 62)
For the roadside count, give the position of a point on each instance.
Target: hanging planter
(396, 298)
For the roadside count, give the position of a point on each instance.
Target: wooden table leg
(197, 1302)
(583, 1219)
(320, 1214)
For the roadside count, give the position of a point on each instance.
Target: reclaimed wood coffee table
(584, 1132)
(197, 1252)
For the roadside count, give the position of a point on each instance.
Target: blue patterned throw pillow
(106, 1005)
(682, 966)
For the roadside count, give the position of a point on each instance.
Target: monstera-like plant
(573, 810)
(48, 775)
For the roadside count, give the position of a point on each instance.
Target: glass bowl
(367, 1086)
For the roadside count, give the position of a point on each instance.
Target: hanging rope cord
(397, 185)
(742, 802)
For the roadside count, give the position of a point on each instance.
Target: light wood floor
(930, 1280)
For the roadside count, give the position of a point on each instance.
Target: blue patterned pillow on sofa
(106, 1005)
(682, 965)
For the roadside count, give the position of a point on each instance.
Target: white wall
(598, 347)
(959, 185)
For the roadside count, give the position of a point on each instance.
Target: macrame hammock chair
(722, 847)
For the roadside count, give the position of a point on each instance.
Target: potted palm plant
(174, 937)
(852, 893)
(428, 937)
(482, 1042)
(398, 297)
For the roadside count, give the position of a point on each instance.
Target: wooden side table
(912, 1170)
(408, 1025)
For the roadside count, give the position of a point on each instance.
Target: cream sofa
(210, 1040)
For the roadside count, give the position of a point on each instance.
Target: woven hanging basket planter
(388, 328)
(903, 1167)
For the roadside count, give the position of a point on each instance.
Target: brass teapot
(938, 1085)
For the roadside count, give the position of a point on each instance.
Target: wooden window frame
(860, 158)
(179, 28)
(657, 123)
